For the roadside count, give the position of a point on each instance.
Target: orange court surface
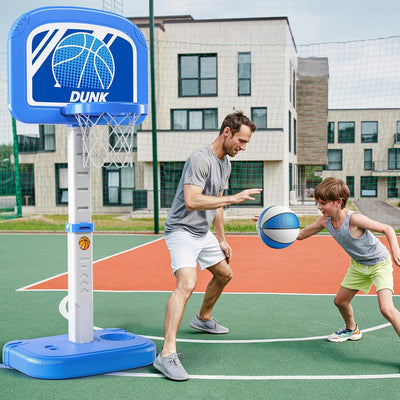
(314, 266)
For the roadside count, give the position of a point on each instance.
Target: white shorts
(185, 250)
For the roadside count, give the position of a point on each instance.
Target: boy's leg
(388, 310)
(342, 302)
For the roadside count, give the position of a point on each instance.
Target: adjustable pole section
(80, 246)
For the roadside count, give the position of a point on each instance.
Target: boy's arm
(312, 229)
(364, 222)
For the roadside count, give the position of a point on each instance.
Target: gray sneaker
(171, 367)
(211, 326)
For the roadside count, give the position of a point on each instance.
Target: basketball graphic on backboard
(64, 55)
(83, 61)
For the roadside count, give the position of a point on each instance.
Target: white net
(108, 140)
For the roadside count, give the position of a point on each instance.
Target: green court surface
(276, 348)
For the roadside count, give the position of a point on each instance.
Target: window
(170, 174)
(259, 117)
(294, 137)
(290, 176)
(194, 119)
(368, 159)
(120, 142)
(369, 132)
(392, 187)
(369, 186)
(27, 184)
(350, 184)
(244, 74)
(246, 174)
(331, 132)
(394, 159)
(346, 132)
(47, 137)
(61, 184)
(290, 131)
(334, 160)
(397, 136)
(39, 138)
(118, 185)
(197, 75)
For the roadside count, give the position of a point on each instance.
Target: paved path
(379, 211)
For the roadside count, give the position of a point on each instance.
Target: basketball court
(279, 308)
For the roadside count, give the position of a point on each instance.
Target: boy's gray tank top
(366, 250)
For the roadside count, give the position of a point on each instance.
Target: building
(368, 139)
(204, 70)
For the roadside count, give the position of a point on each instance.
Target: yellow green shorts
(362, 277)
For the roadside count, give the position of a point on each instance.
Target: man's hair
(235, 120)
(332, 189)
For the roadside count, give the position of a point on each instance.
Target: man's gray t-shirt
(204, 169)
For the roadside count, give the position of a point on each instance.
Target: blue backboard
(63, 55)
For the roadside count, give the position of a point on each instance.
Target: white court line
(261, 377)
(254, 378)
(94, 262)
(64, 312)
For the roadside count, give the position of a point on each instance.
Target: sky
(311, 21)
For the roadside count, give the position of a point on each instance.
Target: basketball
(83, 61)
(84, 243)
(278, 227)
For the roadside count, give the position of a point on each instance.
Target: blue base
(55, 357)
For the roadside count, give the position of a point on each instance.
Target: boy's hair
(235, 120)
(332, 189)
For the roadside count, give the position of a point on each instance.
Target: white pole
(80, 258)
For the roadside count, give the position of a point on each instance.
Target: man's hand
(245, 195)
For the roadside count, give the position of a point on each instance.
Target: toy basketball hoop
(87, 69)
(108, 131)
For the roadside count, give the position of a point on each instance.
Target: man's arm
(219, 229)
(196, 200)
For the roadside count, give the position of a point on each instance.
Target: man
(198, 203)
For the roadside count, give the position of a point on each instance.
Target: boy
(370, 259)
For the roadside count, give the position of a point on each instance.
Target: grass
(117, 223)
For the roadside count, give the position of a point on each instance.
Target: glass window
(294, 136)
(346, 132)
(331, 132)
(194, 119)
(61, 184)
(38, 138)
(367, 159)
(290, 131)
(259, 117)
(197, 75)
(47, 135)
(170, 174)
(369, 186)
(397, 136)
(120, 141)
(392, 187)
(246, 174)
(369, 132)
(393, 159)
(334, 160)
(244, 74)
(350, 184)
(118, 185)
(27, 184)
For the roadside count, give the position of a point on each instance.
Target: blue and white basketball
(278, 227)
(83, 61)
